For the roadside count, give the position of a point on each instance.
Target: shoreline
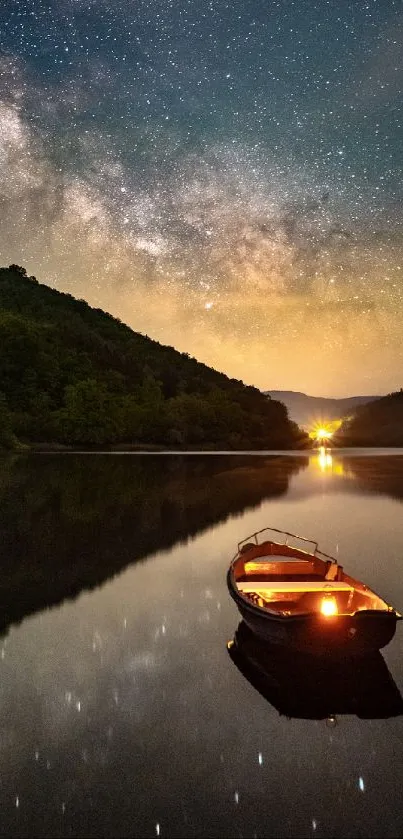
(377, 451)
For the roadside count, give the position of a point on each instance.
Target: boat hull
(358, 634)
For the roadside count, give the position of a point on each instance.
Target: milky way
(224, 177)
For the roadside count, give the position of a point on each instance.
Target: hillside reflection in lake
(69, 523)
(121, 712)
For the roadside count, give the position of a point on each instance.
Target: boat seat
(283, 565)
(299, 586)
(273, 578)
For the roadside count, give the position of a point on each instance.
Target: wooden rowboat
(290, 593)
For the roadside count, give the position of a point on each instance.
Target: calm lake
(121, 710)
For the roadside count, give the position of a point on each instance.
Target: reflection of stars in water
(160, 630)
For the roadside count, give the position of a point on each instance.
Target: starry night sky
(225, 177)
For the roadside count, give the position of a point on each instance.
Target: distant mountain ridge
(304, 409)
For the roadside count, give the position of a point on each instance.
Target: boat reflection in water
(314, 688)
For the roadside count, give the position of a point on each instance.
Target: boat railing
(286, 542)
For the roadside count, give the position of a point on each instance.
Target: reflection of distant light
(236, 797)
(338, 468)
(157, 829)
(314, 824)
(260, 759)
(361, 784)
(325, 459)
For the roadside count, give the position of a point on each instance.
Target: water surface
(121, 711)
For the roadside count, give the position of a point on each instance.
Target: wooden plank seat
(282, 565)
(299, 586)
(291, 568)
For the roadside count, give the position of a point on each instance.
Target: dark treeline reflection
(69, 522)
(379, 475)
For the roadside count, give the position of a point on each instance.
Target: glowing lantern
(328, 607)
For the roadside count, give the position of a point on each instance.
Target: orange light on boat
(328, 607)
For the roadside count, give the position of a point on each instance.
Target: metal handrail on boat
(285, 533)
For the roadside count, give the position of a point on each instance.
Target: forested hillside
(379, 423)
(75, 375)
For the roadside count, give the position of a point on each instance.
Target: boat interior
(289, 581)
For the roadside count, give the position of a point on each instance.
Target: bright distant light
(323, 429)
(323, 434)
(328, 607)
